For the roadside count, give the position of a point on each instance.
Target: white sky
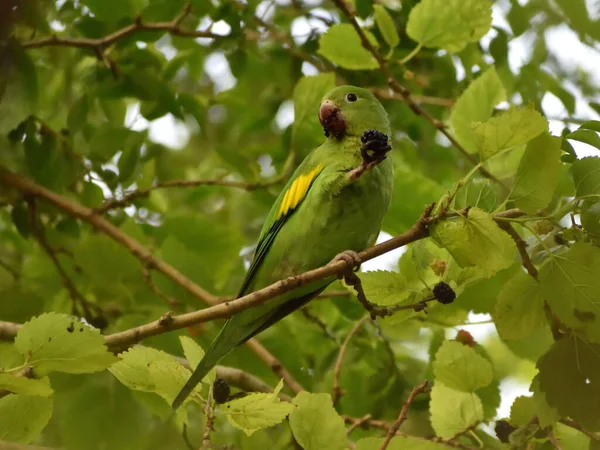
(560, 40)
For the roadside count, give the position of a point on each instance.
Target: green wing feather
(231, 336)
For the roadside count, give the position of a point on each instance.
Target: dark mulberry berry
(503, 430)
(373, 135)
(221, 390)
(444, 293)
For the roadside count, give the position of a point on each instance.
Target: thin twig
(379, 311)
(290, 46)
(364, 419)
(76, 296)
(553, 439)
(367, 423)
(100, 44)
(521, 246)
(139, 193)
(350, 14)
(171, 301)
(210, 422)
(8, 330)
(403, 414)
(337, 391)
(26, 372)
(387, 94)
(320, 323)
(9, 269)
(186, 438)
(576, 426)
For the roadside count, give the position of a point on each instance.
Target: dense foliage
(107, 224)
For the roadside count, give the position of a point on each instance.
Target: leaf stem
(412, 54)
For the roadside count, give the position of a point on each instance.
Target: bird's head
(350, 111)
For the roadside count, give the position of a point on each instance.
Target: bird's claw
(374, 148)
(350, 257)
(373, 151)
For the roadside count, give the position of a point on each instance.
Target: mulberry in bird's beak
(332, 119)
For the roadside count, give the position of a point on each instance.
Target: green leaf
(194, 354)
(149, 370)
(19, 89)
(522, 411)
(168, 378)
(23, 417)
(78, 114)
(593, 125)
(537, 175)
(92, 195)
(383, 288)
(480, 294)
(586, 136)
(100, 413)
(59, 343)
(315, 423)
(111, 10)
(476, 104)
(476, 240)
(586, 176)
(546, 414)
(449, 24)
(510, 129)
(570, 284)
(481, 193)
(399, 443)
(423, 190)
(453, 411)
(342, 46)
(460, 367)
(128, 160)
(26, 386)
(520, 308)
(386, 26)
(570, 378)
(256, 411)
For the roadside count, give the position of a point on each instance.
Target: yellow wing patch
(297, 191)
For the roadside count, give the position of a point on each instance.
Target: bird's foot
(350, 257)
(373, 151)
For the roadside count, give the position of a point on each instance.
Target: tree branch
(99, 45)
(171, 301)
(521, 246)
(139, 193)
(420, 99)
(148, 261)
(38, 233)
(320, 323)
(89, 216)
(350, 14)
(218, 310)
(419, 389)
(576, 426)
(210, 422)
(8, 330)
(337, 391)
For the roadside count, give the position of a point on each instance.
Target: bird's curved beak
(332, 119)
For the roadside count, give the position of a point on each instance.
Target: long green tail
(219, 347)
(236, 331)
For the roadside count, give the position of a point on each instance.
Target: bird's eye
(351, 97)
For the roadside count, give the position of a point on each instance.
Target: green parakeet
(334, 201)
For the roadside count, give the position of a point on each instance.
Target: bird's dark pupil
(351, 97)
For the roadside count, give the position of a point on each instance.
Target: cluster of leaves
(73, 115)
